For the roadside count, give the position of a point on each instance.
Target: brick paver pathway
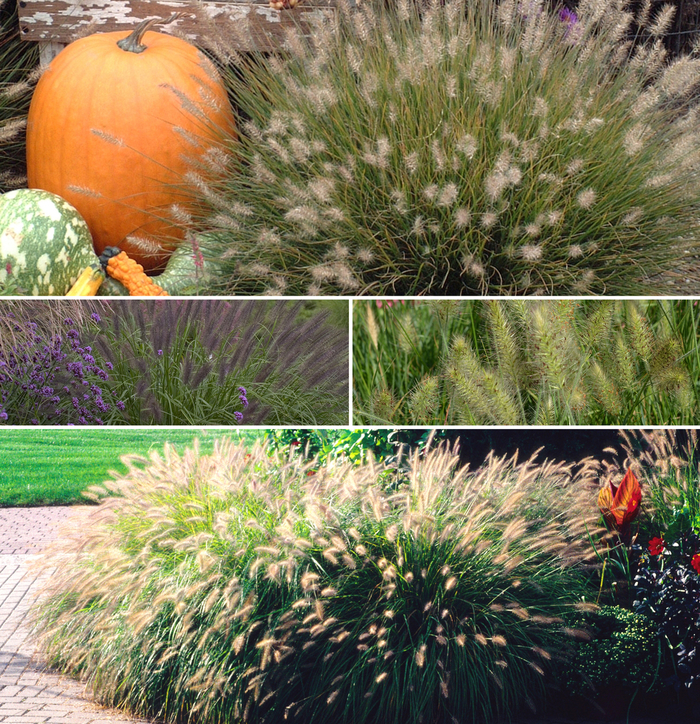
(29, 694)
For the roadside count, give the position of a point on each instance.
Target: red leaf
(625, 506)
(620, 505)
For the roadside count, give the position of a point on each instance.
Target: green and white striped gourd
(44, 243)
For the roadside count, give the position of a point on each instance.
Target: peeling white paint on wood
(62, 21)
(48, 51)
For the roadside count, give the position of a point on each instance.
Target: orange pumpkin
(114, 126)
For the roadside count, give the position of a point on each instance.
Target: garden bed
(173, 362)
(429, 591)
(520, 192)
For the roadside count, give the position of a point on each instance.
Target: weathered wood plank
(48, 51)
(256, 25)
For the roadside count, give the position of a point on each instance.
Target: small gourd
(188, 273)
(44, 243)
(131, 274)
(88, 283)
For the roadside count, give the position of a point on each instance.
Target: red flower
(656, 545)
(695, 562)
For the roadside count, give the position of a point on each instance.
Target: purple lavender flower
(3, 415)
(120, 405)
(96, 317)
(568, 16)
(570, 19)
(238, 416)
(160, 352)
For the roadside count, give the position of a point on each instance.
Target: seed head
(586, 198)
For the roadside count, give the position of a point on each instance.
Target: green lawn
(53, 467)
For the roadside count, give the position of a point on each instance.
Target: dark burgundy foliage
(667, 590)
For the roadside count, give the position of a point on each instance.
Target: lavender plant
(237, 587)
(460, 148)
(55, 379)
(187, 362)
(21, 319)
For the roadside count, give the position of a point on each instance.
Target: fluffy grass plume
(194, 361)
(240, 586)
(460, 148)
(521, 362)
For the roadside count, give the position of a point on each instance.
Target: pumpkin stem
(132, 43)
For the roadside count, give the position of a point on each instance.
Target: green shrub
(236, 586)
(622, 651)
(547, 157)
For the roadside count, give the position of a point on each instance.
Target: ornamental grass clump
(565, 362)
(19, 72)
(250, 586)
(537, 362)
(460, 148)
(226, 362)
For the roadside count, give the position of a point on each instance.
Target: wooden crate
(55, 23)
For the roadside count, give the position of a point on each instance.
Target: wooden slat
(256, 25)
